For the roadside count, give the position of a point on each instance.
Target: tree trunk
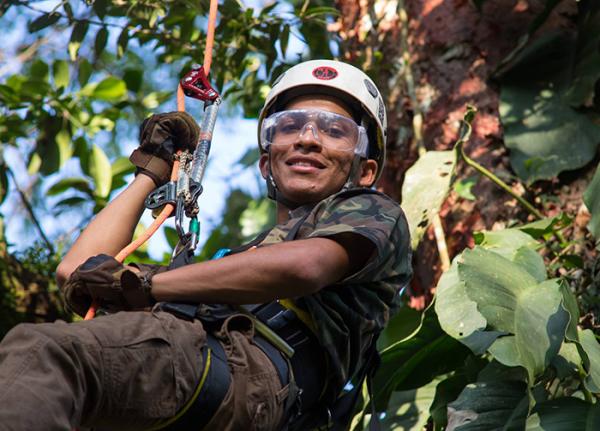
(432, 58)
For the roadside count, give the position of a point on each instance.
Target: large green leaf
(417, 359)
(540, 322)
(100, 171)
(495, 284)
(458, 314)
(505, 242)
(409, 410)
(544, 134)
(425, 186)
(564, 414)
(485, 406)
(399, 327)
(591, 197)
(510, 300)
(592, 349)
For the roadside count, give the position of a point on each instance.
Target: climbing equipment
(183, 194)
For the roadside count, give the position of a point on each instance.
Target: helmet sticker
(371, 88)
(381, 110)
(325, 73)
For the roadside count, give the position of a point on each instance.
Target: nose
(309, 137)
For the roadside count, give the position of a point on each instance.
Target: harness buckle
(165, 194)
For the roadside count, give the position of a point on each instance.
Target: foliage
(549, 106)
(503, 346)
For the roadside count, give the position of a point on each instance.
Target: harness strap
(209, 394)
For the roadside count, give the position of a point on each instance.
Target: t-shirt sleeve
(375, 217)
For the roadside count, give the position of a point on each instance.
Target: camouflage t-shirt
(349, 313)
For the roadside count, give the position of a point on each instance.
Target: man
(327, 276)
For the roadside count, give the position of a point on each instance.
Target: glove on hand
(161, 135)
(109, 281)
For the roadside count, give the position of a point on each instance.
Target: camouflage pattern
(349, 313)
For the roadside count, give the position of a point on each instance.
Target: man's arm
(283, 270)
(111, 230)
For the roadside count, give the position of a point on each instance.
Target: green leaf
(100, 41)
(39, 71)
(122, 42)
(3, 183)
(85, 71)
(404, 323)
(531, 262)
(417, 359)
(77, 35)
(425, 187)
(545, 135)
(409, 410)
(100, 171)
(458, 314)
(65, 148)
(122, 166)
(66, 184)
(60, 71)
(133, 79)
(110, 89)
(284, 39)
(250, 157)
(446, 391)
(463, 187)
(539, 322)
(494, 283)
(43, 21)
(564, 414)
(489, 406)
(505, 242)
(567, 361)
(540, 228)
(592, 349)
(171, 236)
(591, 197)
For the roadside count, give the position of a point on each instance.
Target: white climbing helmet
(337, 79)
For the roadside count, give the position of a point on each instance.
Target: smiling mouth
(305, 163)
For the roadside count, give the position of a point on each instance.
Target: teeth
(302, 164)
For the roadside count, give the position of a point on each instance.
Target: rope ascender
(181, 193)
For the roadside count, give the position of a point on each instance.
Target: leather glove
(110, 282)
(161, 135)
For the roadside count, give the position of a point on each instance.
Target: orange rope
(169, 208)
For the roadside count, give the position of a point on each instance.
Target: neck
(282, 213)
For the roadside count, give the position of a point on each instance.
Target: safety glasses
(331, 130)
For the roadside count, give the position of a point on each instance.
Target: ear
(368, 172)
(263, 165)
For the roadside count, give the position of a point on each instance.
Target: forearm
(111, 230)
(282, 270)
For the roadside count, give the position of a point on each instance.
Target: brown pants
(128, 371)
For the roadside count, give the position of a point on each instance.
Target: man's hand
(161, 135)
(114, 285)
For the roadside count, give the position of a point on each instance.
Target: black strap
(212, 393)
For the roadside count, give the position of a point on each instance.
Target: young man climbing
(322, 283)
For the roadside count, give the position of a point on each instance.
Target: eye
(288, 126)
(337, 131)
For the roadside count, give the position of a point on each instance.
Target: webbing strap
(209, 394)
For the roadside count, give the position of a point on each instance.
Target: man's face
(306, 171)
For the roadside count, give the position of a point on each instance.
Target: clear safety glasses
(330, 130)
